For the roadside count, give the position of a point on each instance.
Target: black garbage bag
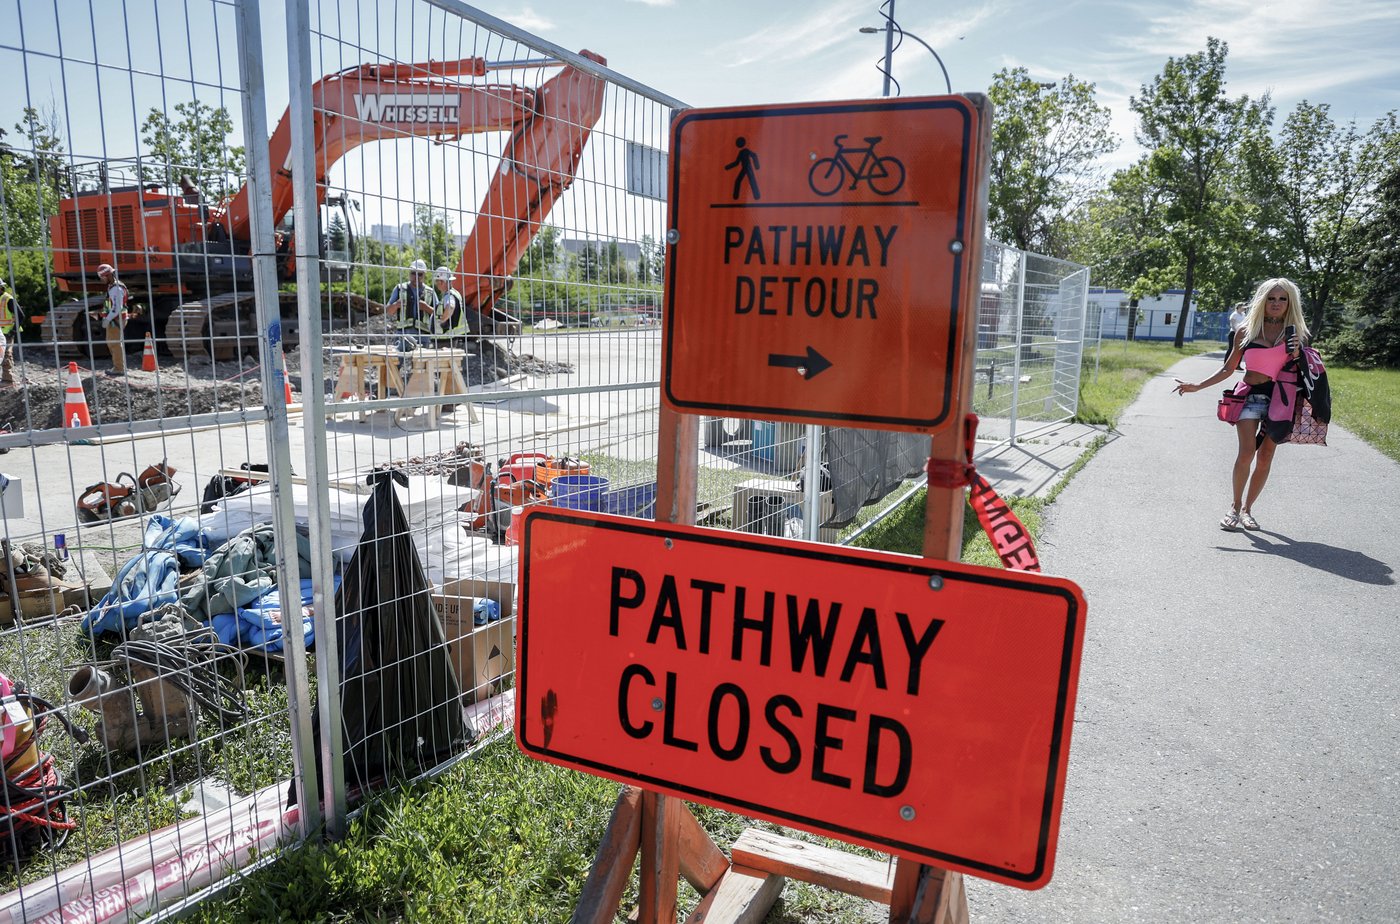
(401, 710)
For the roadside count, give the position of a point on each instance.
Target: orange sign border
(528, 717)
(968, 182)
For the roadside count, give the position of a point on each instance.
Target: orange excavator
(189, 260)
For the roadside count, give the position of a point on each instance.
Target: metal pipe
(274, 375)
(306, 212)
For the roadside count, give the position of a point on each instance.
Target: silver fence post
(272, 367)
(1016, 347)
(313, 412)
(812, 492)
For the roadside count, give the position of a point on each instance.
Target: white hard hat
(442, 274)
(418, 266)
(106, 269)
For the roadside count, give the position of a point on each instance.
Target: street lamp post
(872, 30)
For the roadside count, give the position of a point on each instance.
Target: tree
(588, 265)
(1192, 131)
(1374, 338)
(432, 236)
(540, 257)
(32, 181)
(1045, 142)
(1317, 182)
(649, 263)
(194, 145)
(336, 235)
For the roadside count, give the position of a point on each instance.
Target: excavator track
(225, 326)
(67, 327)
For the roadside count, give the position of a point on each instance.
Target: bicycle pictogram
(884, 175)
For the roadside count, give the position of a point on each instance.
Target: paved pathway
(1236, 750)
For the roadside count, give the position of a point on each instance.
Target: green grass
(1367, 402)
(501, 839)
(120, 797)
(1124, 368)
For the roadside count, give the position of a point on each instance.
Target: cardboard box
(483, 656)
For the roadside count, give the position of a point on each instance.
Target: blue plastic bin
(578, 492)
(633, 500)
(765, 434)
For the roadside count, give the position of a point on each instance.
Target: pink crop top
(1268, 360)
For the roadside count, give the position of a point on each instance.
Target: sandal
(1231, 522)
(1247, 520)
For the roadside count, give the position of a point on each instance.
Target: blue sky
(722, 52)
(96, 62)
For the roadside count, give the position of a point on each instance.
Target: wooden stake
(661, 867)
(612, 864)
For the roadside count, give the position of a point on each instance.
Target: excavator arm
(377, 102)
(549, 125)
(538, 165)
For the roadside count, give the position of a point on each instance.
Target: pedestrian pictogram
(747, 163)
(915, 706)
(841, 293)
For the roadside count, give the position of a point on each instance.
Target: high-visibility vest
(415, 307)
(120, 318)
(9, 312)
(455, 327)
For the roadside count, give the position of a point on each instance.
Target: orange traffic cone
(287, 388)
(75, 409)
(148, 358)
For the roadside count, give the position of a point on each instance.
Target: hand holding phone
(1290, 337)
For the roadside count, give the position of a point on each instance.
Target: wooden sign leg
(612, 865)
(927, 895)
(661, 868)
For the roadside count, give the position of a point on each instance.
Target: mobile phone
(1288, 333)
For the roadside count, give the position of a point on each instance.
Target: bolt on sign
(918, 707)
(818, 260)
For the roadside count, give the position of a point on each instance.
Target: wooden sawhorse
(435, 373)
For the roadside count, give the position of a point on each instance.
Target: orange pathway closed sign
(918, 707)
(818, 260)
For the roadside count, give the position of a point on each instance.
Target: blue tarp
(142, 584)
(148, 580)
(260, 624)
(183, 537)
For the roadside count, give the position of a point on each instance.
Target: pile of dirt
(443, 463)
(172, 391)
(198, 385)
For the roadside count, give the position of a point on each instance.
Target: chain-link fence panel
(503, 231)
(146, 678)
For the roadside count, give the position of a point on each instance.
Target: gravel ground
(199, 386)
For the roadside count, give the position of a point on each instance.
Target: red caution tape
(1008, 534)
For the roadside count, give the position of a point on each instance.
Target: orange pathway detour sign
(919, 707)
(818, 260)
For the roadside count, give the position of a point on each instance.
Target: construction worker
(115, 313)
(11, 323)
(450, 328)
(411, 308)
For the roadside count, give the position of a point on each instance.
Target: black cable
(191, 666)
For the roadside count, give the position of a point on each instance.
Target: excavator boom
(539, 163)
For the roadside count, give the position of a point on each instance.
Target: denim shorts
(1256, 407)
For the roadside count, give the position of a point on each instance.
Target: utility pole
(889, 47)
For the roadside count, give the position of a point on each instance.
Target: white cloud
(654, 2)
(530, 21)
(788, 41)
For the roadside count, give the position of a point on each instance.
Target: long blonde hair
(1254, 320)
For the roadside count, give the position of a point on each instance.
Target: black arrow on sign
(811, 364)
